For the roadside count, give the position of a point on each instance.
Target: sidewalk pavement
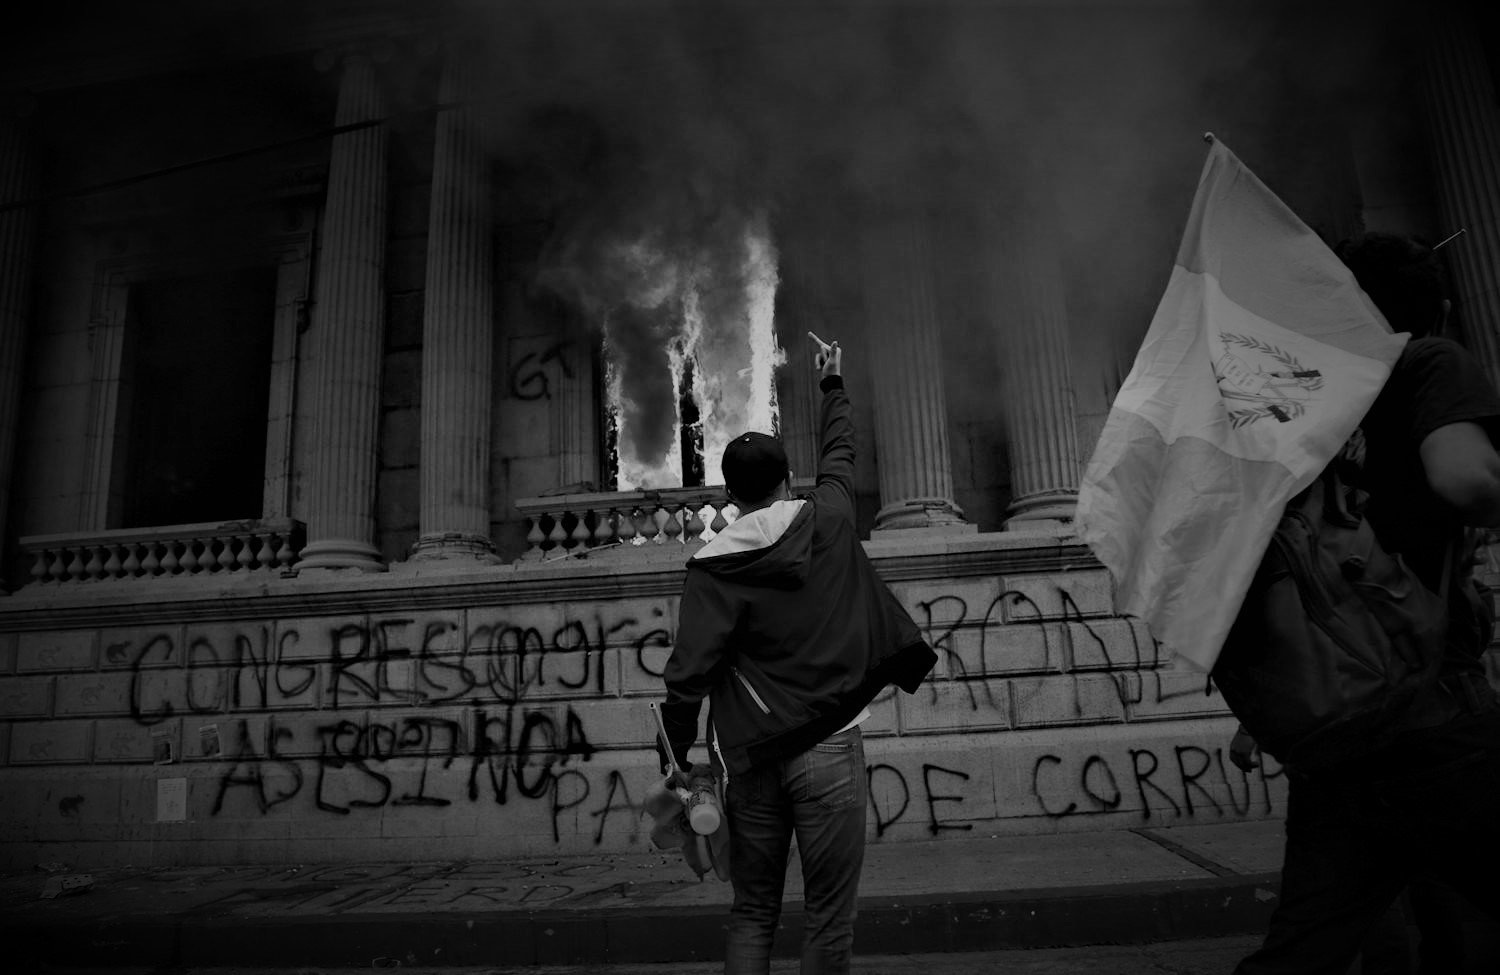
(974, 893)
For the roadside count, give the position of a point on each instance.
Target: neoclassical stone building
(326, 334)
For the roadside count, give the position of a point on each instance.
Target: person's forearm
(836, 456)
(1478, 500)
(1463, 469)
(680, 719)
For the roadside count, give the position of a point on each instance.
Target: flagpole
(1461, 231)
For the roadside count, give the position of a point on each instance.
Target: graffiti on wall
(431, 711)
(495, 717)
(1168, 783)
(369, 664)
(1136, 671)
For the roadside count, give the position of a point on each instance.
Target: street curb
(1052, 917)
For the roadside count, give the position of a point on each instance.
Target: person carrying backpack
(788, 631)
(1421, 800)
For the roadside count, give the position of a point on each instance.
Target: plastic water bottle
(702, 806)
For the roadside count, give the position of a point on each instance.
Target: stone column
(802, 303)
(911, 418)
(1465, 128)
(347, 333)
(576, 410)
(1036, 387)
(18, 183)
(797, 396)
(457, 337)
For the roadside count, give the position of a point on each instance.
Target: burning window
(690, 353)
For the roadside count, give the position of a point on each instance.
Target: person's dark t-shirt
(1435, 383)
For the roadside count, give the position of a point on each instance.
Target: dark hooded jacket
(784, 624)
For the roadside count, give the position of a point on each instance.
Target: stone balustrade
(214, 548)
(565, 524)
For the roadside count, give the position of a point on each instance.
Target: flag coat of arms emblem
(1261, 360)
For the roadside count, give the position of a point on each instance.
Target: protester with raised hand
(787, 630)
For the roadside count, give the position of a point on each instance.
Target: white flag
(1263, 357)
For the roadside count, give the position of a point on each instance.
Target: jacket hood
(771, 546)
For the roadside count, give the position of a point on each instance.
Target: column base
(1046, 506)
(454, 546)
(339, 553)
(919, 513)
(923, 532)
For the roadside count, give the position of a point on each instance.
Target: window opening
(195, 391)
(690, 355)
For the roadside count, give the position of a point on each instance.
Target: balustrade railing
(557, 527)
(216, 548)
(567, 524)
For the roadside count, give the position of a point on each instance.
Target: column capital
(459, 82)
(375, 50)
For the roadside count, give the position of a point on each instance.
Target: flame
(765, 353)
(739, 387)
(638, 467)
(723, 308)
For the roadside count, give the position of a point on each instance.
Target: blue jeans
(820, 797)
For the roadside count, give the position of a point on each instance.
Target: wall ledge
(418, 585)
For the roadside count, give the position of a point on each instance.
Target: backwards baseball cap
(754, 463)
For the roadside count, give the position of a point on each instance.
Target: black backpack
(1336, 636)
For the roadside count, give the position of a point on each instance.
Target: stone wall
(504, 713)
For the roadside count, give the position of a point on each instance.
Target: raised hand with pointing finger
(830, 358)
